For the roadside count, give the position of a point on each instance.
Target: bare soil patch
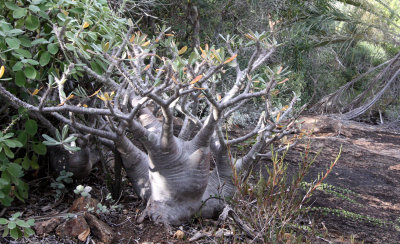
(369, 166)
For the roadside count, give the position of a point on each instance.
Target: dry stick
(371, 84)
(324, 102)
(360, 110)
(228, 211)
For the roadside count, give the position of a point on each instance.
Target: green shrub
(31, 60)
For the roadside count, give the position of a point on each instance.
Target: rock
(47, 226)
(75, 227)
(179, 235)
(82, 236)
(100, 229)
(82, 204)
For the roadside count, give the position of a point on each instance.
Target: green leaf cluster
(32, 58)
(19, 151)
(59, 185)
(27, 43)
(16, 227)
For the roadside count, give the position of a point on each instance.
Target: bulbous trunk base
(170, 212)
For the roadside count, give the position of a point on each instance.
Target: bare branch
(86, 129)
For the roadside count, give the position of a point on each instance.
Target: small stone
(74, 227)
(219, 233)
(82, 204)
(179, 235)
(82, 236)
(45, 227)
(100, 229)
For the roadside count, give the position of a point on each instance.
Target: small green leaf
(18, 66)
(40, 41)
(70, 47)
(15, 233)
(70, 139)
(15, 32)
(16, 215)
(71, 149)
(20, 78)
(52, 48)
(24, 53)
(39, 148)
(26, 163)
(29, 231)
(64, 132)
(58, 135)
(30, 61)
(3, 182)
(50, 141)
(19, 13)
(25, 42)
(11, 6)
(44, 58)
(32, 22)
(192, 58)
(77, 10)
(48, 138)
(13, 42)
(3, 221)
(15, 170)
(11, 225)
(30, 72)
(6, 136)
(5, 233)
(31, 127)
(34, 8)
(22, 223)
(36, 2)
(30, 222)
(96, 67)
(44, 15)
(34, 162)
(8, 152)
(13, 143)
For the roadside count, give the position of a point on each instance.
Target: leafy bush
(30, 51)
(10, 182)
(29, 58)
(19, 151)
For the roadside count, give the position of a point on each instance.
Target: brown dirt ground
(369, 166)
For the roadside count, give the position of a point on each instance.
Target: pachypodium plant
(58, 185)
(144, 83)
(84, 191)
